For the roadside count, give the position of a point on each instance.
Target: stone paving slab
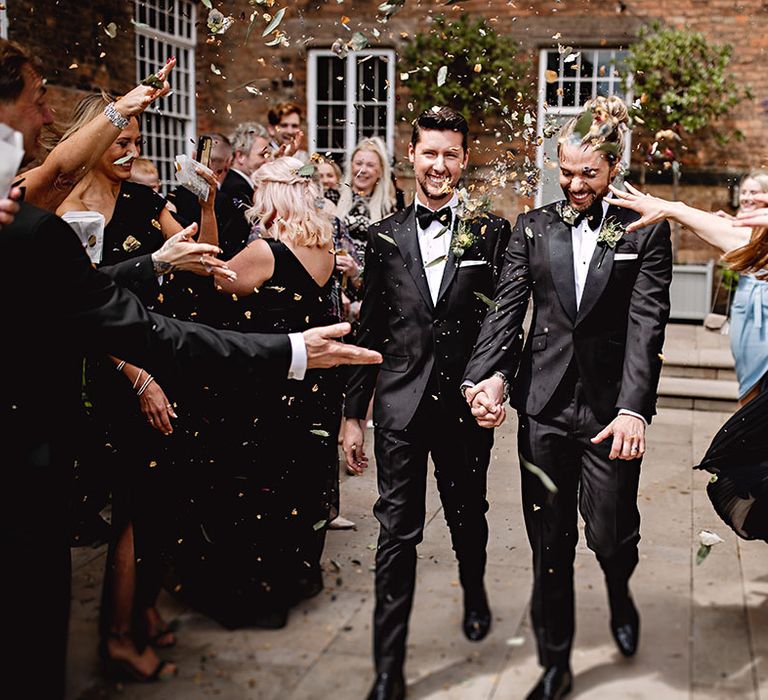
(704, 634)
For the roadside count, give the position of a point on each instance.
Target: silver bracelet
(117, 119)
(119, 368)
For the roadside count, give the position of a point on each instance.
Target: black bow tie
(426, 216)
(593, 215)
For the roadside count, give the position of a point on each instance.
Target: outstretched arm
(724, 234)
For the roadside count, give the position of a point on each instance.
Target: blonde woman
(275, 482)
(133, 407)
(368, 193)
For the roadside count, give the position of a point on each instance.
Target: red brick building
(224, 79)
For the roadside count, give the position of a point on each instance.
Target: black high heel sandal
(124, 670)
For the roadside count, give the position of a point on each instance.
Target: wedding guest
(264, 503)
(367, 195)
(144, 172)
(742, 249)
(137, 222)
(84, 310)
(285, 129)
(330, 176)
(48, 184)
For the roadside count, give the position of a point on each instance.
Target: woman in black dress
(269, 482)
(131, 405)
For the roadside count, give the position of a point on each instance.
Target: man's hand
(183, 253)
(486, 399)
(323, 351)
(353, 441)
(9, 207)
(628, 437)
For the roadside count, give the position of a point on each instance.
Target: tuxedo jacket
(64, 308)
(415, 336)
(615, 337)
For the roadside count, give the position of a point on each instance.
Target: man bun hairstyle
(440, 119)
(604, 124)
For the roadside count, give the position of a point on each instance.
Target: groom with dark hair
(425, 273)
(588, 372)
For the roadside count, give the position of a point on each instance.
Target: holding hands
(486, 401)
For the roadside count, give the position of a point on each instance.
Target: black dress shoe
(388, 686)
(625, 628)
(477, 617)
(555, 683)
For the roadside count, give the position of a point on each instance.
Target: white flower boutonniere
(610, 234)
(470, 209)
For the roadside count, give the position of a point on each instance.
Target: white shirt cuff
(627, 412)
(298, 367)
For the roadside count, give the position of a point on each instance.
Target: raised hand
(628, 437)
(323, 351)
(213, 186)
(137, 100)
(9, 207)
(651, 209)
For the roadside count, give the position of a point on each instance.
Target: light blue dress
(749, 332)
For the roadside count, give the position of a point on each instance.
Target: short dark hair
(440, 119)
(13, 58)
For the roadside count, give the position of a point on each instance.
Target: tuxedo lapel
(406, 237)
(451, 262)
(561, 264)
(600, 268)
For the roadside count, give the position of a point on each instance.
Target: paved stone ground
(704, 635)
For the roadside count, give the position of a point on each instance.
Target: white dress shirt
(433, 247)
(584, 243)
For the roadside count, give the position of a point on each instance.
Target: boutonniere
(610, 234)
(470, 209)
(567, 213)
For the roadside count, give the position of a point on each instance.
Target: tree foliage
(683, 82)
(465, 64)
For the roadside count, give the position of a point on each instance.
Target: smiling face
(439, 161)
(128, 143)
(749, 188)
(288, 127)
(584, 175)
(366, 171)
(327, 175)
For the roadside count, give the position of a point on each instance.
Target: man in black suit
(425, 274)
(588, 372)
(52, 316)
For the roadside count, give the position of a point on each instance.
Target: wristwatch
(161, 267)
(503, 378)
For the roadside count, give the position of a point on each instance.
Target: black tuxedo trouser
(460, 451)
(605, 493)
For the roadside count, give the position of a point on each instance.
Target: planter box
(691, 292)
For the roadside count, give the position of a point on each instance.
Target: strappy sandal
(124, 670)
(170, 628)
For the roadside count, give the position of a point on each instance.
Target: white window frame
(182, 45)
(545, 111)
(350, 98)
(4, 22)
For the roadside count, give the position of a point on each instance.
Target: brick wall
(72, 34)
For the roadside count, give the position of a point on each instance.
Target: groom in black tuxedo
(588, 372)
(424, 270)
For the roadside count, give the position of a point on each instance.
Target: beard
(594, 197)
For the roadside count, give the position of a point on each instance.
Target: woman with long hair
(131, 405)
(368, 193)
(262, 501)
(737, 456)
